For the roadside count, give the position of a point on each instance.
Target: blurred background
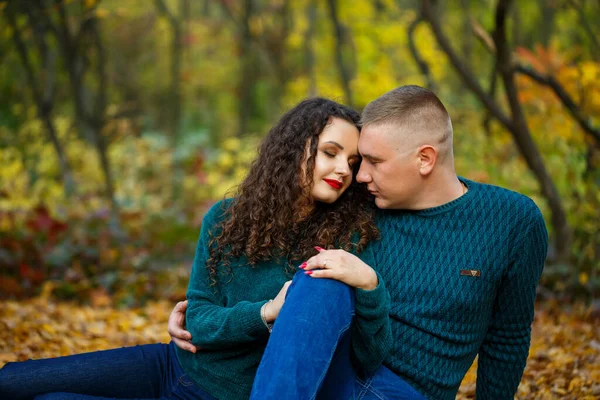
(121, 122)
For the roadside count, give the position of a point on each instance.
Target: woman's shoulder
(217, 211)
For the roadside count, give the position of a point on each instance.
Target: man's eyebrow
(337, 144)
(370, 157)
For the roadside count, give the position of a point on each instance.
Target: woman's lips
(333, 183)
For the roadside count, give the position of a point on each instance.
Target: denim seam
(376, 393)
(366, 386)
(320, 381)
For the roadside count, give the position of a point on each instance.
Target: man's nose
(363, 176)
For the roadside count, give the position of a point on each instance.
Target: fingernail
(308, 272)
(319, 248)
(303, 265)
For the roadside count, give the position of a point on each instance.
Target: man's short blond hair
(413, 109)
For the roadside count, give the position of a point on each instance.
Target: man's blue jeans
(150, 371)
(308, 355)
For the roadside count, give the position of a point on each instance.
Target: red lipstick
(334, 184)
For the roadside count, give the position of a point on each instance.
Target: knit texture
(441, 318)
(225, 322)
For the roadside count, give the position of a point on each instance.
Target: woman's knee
(320, 290)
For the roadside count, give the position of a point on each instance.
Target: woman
(299, 193)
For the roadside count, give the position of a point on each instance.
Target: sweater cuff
(373, 302)
(252, 321)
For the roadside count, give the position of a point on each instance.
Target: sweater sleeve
(503, 353)
(212, 325)
(371, 332)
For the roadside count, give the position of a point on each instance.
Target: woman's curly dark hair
(262, 222)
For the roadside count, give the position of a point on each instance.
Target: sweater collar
(428, 212)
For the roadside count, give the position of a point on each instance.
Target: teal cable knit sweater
(443, 314)
(225, 320)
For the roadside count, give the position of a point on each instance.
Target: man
(461, 261)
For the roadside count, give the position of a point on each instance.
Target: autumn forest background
(121, 122)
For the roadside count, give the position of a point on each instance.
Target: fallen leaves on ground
(564, 359)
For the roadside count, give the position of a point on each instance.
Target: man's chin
(381, 203)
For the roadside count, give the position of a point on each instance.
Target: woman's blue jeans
(308, 356)
(150, 371)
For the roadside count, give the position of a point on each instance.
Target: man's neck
(438, 190)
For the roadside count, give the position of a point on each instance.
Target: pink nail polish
(319, 248)
(308, 272)
(303, 265)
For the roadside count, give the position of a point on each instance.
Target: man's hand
(179, 335)
(342, 266)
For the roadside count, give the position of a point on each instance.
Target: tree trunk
(174, 124)
(523, 137)
(44, 101)
(247, 75)
(345, 75)
(515, 124)
(89, 112)
(547, 24)
(309, 55)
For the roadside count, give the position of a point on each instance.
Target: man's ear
(427, 155)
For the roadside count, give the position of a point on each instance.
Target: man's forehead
(375, 139)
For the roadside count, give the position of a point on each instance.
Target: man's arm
(503, 353)
(372, 332)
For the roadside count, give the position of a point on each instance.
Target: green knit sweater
(462, 279)
(225, 320)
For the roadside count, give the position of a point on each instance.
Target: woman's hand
(342, 266)
(176, 327)
(272, 308)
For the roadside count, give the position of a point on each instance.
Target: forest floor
(564, 359)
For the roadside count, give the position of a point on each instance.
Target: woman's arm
(212, 325)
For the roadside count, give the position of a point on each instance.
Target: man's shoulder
(501, 196)
(506, 206)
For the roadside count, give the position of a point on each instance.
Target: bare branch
(162, 8)
(483, 36)
(468, 76)
(523, 137)
(564, 97)
(421, 63)
(43, 101)
(487, 41)
(339, 36)
(586, 26)
(229, 12)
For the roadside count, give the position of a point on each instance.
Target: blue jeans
(150, 371)
(308, 355)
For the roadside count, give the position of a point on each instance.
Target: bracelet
(264, 319)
